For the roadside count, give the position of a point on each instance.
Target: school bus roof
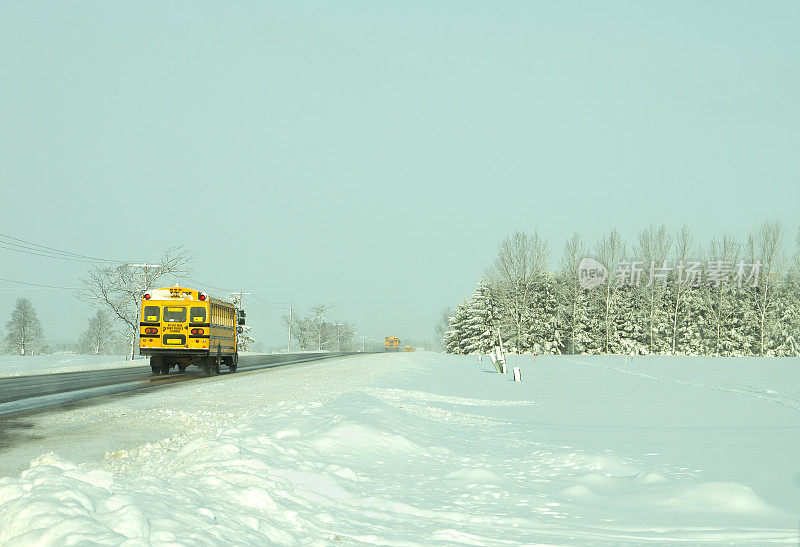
(182, 293)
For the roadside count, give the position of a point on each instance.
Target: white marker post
(501, 356)
(517, 374)
(505, 369)
(495, 363)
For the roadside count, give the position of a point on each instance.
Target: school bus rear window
(197, 315)
(151, 314)
(174, 315)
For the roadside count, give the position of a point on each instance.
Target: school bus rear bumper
(175, 352)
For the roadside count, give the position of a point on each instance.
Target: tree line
(662, 294)
(115, 292)
(315, 331)
(24, 334)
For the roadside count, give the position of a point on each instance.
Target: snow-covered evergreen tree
(572, 298)
(631, 321)
(783, 334)
(723, 253)
(545, 334)
(702, 309)
(480, 326)
(456, 334)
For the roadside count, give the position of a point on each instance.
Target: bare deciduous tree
(723, 253)
(119, 289)
(99, 335)
(319, 312)
(314, 331)
(610, 251)
(442, 326)
(684, 247)
(764, 248)
(25, 334)
(574, 252)
(521, 260)
(244, 342)
(654, 247)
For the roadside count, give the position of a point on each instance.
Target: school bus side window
(174, 315)
(197, 315)
(150, 314)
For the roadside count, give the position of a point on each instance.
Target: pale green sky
(373, 155)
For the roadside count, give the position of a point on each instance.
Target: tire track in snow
(763, 394)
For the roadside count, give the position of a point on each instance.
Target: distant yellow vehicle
(391, 343)
(180, 327)
(408, 348)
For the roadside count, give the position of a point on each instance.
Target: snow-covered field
(15, 365)
(421, 448)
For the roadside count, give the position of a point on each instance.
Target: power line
(267, 303)
(39, 285)
(201, 284)
(270, 302)
(45, 255)
(29, 247)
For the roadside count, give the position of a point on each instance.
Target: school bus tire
(218, 360)
(156, 365)
(233, 362)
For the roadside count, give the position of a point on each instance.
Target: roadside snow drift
(15, 365)
(431, 450)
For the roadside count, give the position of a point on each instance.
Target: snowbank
(15, 365)
(422, 449)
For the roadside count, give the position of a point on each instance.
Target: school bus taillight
(202, 296)
(196, 332)
(151, 330)
(147, 296)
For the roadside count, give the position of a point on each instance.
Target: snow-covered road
(423, 449)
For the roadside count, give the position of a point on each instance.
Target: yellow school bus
(391, 343)
(408, 348)
(179, 327)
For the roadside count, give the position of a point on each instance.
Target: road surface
(26, 393)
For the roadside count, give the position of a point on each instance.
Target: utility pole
(289, 343)
(241, 299)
